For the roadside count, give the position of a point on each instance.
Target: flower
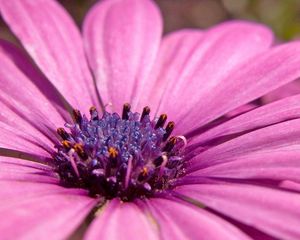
(120, 169)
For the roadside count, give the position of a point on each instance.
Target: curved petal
(270, 114)
(287, 90)
(20, 170)
(175, 50)
(274, 212)
(34, 204)
(256, 77)
(120, 220)
(179, 221)
(122, 39)
(195, 68)
(27, 115)
(53, 41)
(265, 165)
(276, 139)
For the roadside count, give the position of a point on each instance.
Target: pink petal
(22, 170)
(272, 211)
(179, 221)
(287, 90)
(25, 122)
(45, 88)
(270, 114)
(55, 216)
(174, 52)
(120, 220)
(265, 165)
(256, 77)
(276, 139)
(52, 39)
(122, 39)
(199, 66)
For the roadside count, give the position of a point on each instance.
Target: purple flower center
(127, 157)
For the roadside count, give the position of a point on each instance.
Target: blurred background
(283, 16)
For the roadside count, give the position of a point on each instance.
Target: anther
(126, 110)
(112, 152)
(77, 116)
(169, 128)
(62, 133)
(94, 113)
(143, 174)
(161, 121)
(170, 144)
(146, 111)
(66, 144)
(158, 161)
(80, 151)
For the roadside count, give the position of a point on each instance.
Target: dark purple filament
(127, 157)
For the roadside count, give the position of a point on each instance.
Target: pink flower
(135, 176)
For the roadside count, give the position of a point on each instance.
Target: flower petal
(180, 221)
(174, 52)
(21, 170)
(53, 41)
(264, 165)
(287, 90)
(32, 200)
(26, 124)
(202, 65)
(270, 114)
(122, 39)
(256, 77)
(275, 139)
(272, 211)
(119, 220)
(46, 214)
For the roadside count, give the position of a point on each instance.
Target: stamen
(77, 116)
(62, 133)
(73, 164)
(161, 121)
(126, 110)
(170, 144)
(128, 171)
(146, 111)
(164, 163)
(94, 113)
(80, 151)
(66, 144)
(132, 156)
(169, 129)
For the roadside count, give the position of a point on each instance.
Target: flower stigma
(128, 156)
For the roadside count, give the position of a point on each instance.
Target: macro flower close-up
(116, 131)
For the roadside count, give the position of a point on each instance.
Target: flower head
(118, 133)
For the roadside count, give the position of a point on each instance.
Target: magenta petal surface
(175, 51)
(121, 221)
(266, 115)
(287, 90)
(250, 80)
(34, 207)
(55, 215)
(20, 170)
(283, 165)
(181, 222)
(122, 39)
(279, 138)
(272, 211)
(53, 41)
(25, 122)
(194, 68)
